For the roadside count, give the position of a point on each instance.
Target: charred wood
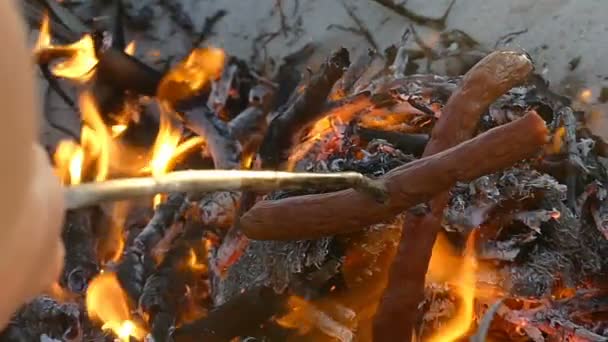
(80, 259)
(408, 143)
(137, 263)
(45, 316)
(286, 128)
(126, 73)
(222, 147)
(237, 317)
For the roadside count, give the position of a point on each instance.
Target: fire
(79, 66)
(118, 130)
(585, 96)
(44, 39)
(194, 263)
(95, 135)
(465, 282)
(70, 158)
(107, 303)
(192, 74)
(131, 48)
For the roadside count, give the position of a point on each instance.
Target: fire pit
(409, 206)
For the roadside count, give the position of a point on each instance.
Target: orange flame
(131, 48)
(194, 263)
(107, 303)
(192, 74)
(79, 66)
(164, 147)
(465, 282)
(70, 158)
(95, 136)
(44, 39)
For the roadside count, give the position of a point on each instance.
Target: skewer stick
(87, 194)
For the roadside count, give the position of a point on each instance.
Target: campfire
(360, 202)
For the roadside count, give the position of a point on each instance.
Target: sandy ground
(555, 32)
(558, 31)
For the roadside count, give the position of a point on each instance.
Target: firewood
(412, 143)
(286, 128)
(236, 317)
(314, 216)
(136, 263)
(222, 147)
(482, 85)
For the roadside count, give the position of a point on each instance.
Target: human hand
(31, 249)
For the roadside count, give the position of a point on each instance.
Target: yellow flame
(76, 166)
(194, 262)
(192, 74)
(107, 303)
(585, 96)
(95, 135)
(460, 324)
(164, 147)
(80, 66)
(68, 159)
(118, 130)
(44, 39)
(131, 48)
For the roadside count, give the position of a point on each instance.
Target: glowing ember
(193, 74)
(107, 303)
(118, 130)
(465, 288)
(194, 263)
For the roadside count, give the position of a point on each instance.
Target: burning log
(237, 317)
(286, 128)
(44, 316)
(330, 214)
(413, 143)
(482, 85)
(126, 73)
(83, 195)
(224, 150)
(136, 263)
(80, 259)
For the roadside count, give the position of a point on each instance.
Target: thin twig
(83, 195)
(208, 26)
(437, 23)
(360, 30)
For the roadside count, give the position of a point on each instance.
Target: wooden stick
(83, 195)
(483, 84)
(314, 216)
